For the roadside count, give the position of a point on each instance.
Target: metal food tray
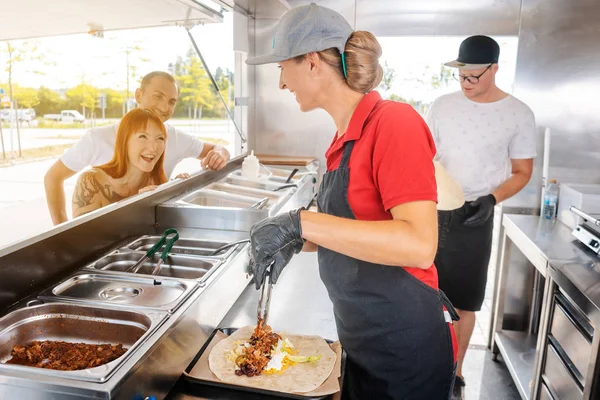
(225, 389)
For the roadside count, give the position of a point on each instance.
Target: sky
(101, 61)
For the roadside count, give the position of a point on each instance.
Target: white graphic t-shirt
(476, 141)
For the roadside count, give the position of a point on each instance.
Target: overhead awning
(24, 19)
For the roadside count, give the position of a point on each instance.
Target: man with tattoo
(137, 164)
(158, 92)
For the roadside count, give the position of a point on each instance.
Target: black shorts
(462, 258)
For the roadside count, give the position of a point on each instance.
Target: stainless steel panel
(175, 266)
(214, 199)
(557, 75)
(133, 291)
(572, 341)
(437, 17)
(74, 323)
(559, 378)
(545, 393)
(274, 198)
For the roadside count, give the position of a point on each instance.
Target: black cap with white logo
(476, 52)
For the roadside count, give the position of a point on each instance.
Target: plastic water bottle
(550, 201)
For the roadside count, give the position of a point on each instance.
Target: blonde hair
(362, 52)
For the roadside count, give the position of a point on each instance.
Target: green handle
(170, 243)
(150, 253)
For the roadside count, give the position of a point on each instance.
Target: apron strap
(449, 307)
(348, 146)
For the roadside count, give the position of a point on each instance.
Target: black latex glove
(274, 240)
(485, 209)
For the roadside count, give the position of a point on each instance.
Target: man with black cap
(480, 132)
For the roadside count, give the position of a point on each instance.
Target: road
(23, 210)
(32, 138)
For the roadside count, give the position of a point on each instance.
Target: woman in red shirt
(376, 229)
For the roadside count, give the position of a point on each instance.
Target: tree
(133, 59)
(26, 97)
(82, 95)
(17, 54)
(50, 102)
(442, 79)
(195, 87)
(387, 81)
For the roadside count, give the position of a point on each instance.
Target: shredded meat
(258, 354)
(65, 356)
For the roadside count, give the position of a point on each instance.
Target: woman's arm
(409, 240)
(90, 194)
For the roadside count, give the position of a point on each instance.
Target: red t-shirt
(391, 163)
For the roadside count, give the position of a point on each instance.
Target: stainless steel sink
(212, 198)
(175, 267)
(77, 324)
(187, 247)
(139, 291)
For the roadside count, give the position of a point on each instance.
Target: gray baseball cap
(304, 30)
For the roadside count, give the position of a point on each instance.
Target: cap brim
(266, 59)
(462, 65)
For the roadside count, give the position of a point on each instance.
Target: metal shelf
(518, 351)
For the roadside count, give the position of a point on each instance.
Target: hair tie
(344, 65)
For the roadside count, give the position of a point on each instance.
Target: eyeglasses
(471, 79)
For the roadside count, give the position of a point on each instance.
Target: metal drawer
(572, 341)
(545, 393)
(558, 377)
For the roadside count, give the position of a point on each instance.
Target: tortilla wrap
(450, 195)
(300, 378)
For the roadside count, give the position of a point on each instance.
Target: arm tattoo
(88, 187)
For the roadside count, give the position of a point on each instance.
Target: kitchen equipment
(181, 267)
(90, 287)
(582, 196)
(588, 232)
(262, 312)
(289, 179)
(184, 246)
(228, 245)
(78, 324)
(150, 253)
(272, 159)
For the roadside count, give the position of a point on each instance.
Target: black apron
(392, 325)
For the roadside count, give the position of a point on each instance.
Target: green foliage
(196, 93)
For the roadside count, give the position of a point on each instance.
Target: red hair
(134, 121)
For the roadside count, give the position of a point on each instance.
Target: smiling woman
(136, 166)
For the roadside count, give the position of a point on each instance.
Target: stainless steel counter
(566, 257)
(547, 310)
(299, 304)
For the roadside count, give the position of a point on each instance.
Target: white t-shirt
(97, 145)
(476, 141)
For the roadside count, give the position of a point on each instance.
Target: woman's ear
(314, 61)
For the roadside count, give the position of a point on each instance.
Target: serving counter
(76, 283)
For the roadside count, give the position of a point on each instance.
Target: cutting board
(272, 159)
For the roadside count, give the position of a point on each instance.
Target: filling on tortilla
(265, 353)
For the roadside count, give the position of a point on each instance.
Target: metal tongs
(264, 300)
(150, 253)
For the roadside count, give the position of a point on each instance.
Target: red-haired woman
(137, 164)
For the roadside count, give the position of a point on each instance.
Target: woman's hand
(274, 241)
(147, 189)
(183, 175)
